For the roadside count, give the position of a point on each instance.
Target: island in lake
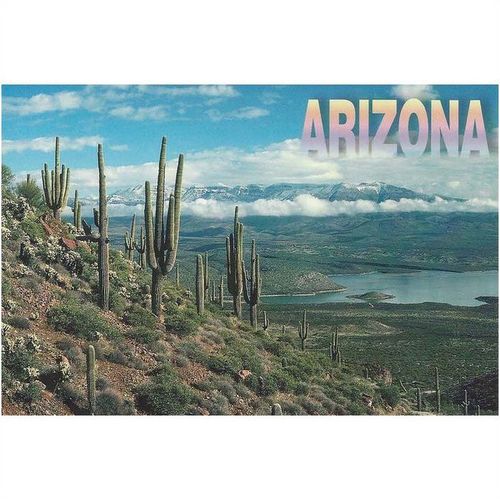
(372, 296)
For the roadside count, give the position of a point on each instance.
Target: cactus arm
(89, 235)
(132, 232)
(229, 264)
(246, 293)
(148, 221)
(169, 243)
(178, 197)
(200, 287)
(62, 186)
(57, 179)
(160, 199)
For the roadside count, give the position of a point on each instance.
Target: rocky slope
(186, 364)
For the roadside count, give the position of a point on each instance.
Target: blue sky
(229, 134)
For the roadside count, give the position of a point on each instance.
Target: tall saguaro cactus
(129, 240)
(234, 264)
(303, 330)
(438, 391)
(77, 213)
(221, 292)
(162, 233)
(141, 249)
(55, 185)
(334, 346)
(206, 276)
(91, 379)
(200, 284)
(101, 222)
(252, 286)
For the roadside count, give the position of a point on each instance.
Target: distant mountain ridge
(377, 192)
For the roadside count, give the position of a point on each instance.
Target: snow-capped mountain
(374, 191)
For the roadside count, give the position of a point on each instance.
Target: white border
(253, 42)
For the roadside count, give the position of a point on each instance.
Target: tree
(31, 192)
(7, 179)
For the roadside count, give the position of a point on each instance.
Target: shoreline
(309, 294)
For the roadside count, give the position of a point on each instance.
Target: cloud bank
(46, 144)
(309, 206)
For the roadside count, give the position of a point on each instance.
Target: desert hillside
(184, 363)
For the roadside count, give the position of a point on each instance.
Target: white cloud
(279, 162)
(46, 144)
(191, 90)
(310, 206)
(422, 92)
(286, 162)
(140, 113)
(42, 103)
(102, 98)
(246, 113)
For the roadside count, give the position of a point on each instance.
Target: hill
(377, 192)
(186, 364)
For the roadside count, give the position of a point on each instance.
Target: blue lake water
(458, 289)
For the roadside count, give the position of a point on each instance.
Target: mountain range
(377, 192)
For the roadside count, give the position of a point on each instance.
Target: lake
(458, 289)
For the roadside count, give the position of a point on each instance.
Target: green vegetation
(164, 395)
(158, 348)
(408, 339)
(82, 320)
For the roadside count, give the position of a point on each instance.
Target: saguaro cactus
(141, 249)
(234, 264)
(334, 345)
(77, 213)
(200, 285)
(465, 403)
(101, 222)
(252, 286)
(91, 379)
(55, 185)
(265, 321)
(419, 399)
(162, 233)
(213, 293)
(438, 391)
(221, 292)
(303, 330)
(129, 240)
(206, 277)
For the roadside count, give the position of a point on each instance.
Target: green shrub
(30, 392)
(139, 316)
(165, 395)
(390, 394)
(109, 402)
(32, 193)
(144, 335)
(117, 303)
(291, 408)
(80, 319)
(73, 397)
(32, 283)
(18, 356)
(20, 322)
(32, 228)
(181, 321)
